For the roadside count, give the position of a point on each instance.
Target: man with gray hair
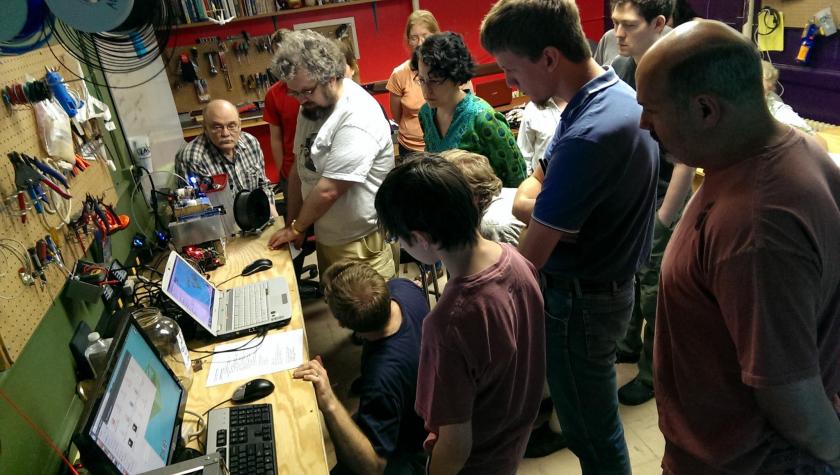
(343, 151)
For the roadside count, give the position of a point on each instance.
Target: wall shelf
(293, 11)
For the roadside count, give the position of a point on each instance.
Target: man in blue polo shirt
(592, 221)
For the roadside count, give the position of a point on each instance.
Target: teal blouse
(478, 128)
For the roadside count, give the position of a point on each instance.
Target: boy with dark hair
(482, 358)
(385, 435)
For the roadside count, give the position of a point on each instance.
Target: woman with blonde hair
(406, 96)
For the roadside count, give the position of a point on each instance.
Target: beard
(315, 112)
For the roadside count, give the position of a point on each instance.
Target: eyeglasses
(391, 238)
(232, 127)
(428, 82)
(417, 38)
(306, 93)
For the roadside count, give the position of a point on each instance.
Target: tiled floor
(341, 359)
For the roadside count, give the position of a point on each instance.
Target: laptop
(496, 92)
(132, 420)
(230, 312)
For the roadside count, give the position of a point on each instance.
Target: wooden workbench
(297, 420)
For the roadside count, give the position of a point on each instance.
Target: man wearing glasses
(224, 148)
(343, 151)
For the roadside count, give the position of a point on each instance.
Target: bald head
(221, 125)
(704, 57)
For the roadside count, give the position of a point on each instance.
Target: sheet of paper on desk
(279, 351)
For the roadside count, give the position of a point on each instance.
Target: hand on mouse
(314, 372)
(284, 236)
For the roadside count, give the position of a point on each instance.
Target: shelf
(292, 11)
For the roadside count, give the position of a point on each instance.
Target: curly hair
(310, 51)
(447, 57)
(357, 295)
(480, 176)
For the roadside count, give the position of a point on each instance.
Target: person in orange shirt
(406, 97)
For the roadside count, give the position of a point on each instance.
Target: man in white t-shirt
(343, 151)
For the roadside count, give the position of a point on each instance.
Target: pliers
(48, 171)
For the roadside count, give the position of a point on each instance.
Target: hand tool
(213, 70)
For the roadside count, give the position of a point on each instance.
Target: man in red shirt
(281, 112)
(747, 341)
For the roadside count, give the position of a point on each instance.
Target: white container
(97, 352)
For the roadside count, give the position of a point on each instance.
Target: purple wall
(813, 90)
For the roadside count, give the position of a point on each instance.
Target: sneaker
(626, 357)
(544, 442)
(634, 393)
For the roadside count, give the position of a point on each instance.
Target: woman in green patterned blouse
(454, 118)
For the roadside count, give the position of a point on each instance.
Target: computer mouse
(252, 390)
(258, 265)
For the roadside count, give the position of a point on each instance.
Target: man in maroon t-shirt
(747, 347)
(482, 354)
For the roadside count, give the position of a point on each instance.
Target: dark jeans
(644, 309)
(582, 328)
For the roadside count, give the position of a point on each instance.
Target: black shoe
(626, 357)
(544, 442)
(634, 393)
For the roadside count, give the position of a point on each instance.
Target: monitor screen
(137, 416)
(189, 290)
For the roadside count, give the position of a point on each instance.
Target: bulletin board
(799, 12)
(21, 315)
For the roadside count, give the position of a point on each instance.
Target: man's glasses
(428, 82)
(304, 94)
(232, 127)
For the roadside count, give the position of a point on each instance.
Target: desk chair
(426, 273)
(307, 286)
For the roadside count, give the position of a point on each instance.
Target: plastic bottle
(167, 337)
(97, 352)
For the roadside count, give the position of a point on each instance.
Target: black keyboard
(244, 436)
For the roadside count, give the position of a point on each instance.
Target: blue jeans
(582, 328)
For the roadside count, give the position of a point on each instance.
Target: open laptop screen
(135, 422)
(190, 291)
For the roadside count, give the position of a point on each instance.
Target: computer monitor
(132, 423)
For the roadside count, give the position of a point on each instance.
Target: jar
(167, 337)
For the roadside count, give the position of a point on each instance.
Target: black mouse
(252, 390)
(258, 265)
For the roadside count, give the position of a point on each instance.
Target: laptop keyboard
(249, 306)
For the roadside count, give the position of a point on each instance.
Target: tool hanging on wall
(213, 70)
(189, 74)
(223, 66)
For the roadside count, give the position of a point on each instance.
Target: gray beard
(317, 113)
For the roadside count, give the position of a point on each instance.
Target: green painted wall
(42, 381)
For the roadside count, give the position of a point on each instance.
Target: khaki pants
(370, 249)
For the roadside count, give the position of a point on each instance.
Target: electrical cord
(242, 347)
(227, 280)
(38, 431)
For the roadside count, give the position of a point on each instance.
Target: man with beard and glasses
(343, 151)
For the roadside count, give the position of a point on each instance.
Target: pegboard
(186, 99)
(799, 12)
(20, 316)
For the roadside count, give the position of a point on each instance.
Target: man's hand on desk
(315, 373)
(284, 236)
